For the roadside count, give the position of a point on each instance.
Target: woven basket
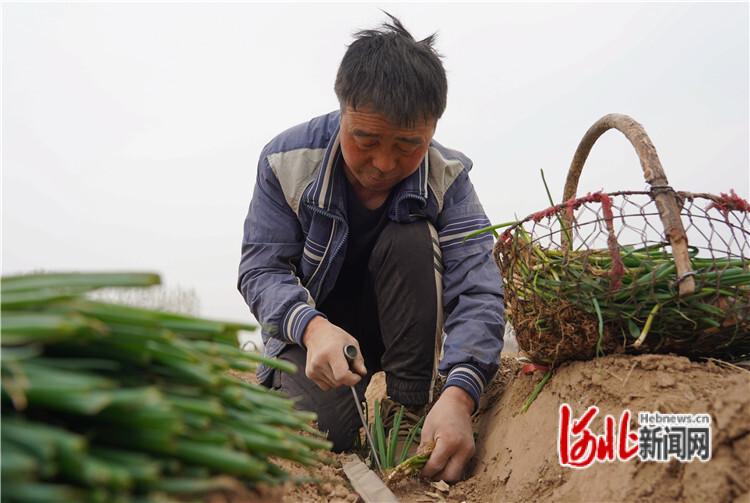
(629, 271)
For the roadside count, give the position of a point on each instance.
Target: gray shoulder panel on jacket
(294, 170)
(443, 172)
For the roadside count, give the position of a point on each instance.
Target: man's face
(379, 154)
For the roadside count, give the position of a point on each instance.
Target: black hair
(399, 77)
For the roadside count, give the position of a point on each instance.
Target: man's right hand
(326, 365)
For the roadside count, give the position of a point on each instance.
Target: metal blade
(367, 484)
(362, 418)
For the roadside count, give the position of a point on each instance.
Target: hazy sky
(131, 132)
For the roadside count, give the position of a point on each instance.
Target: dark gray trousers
(397, 321)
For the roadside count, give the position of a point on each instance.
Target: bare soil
(516, 457)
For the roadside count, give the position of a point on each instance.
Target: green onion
(105, 402)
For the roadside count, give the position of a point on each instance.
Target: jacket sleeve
(272, 243)
(472, 292)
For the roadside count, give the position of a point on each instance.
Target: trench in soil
(517, 460)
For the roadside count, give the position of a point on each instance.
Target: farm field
(517, 456)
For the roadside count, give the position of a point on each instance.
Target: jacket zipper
(336, 219)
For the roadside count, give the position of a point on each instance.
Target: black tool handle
(350, 353)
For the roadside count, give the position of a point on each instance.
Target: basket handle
(667, 202)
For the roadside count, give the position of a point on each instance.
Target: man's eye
(406, 149)
(367, 145)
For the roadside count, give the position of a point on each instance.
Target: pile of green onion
(105, 402)
(644, 311)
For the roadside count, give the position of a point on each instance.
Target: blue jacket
(295, 242)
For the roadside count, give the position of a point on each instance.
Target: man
(355, 235)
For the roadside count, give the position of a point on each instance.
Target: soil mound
(517, 456)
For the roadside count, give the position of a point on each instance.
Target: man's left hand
(449, 424)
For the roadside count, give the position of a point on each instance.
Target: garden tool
(350, 353)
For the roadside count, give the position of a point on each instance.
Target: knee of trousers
(402, 242)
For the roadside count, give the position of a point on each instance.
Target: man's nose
(384, 163)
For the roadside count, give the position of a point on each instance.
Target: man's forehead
(367, 123)
(407, 137)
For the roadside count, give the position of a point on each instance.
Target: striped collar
(327, 192)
